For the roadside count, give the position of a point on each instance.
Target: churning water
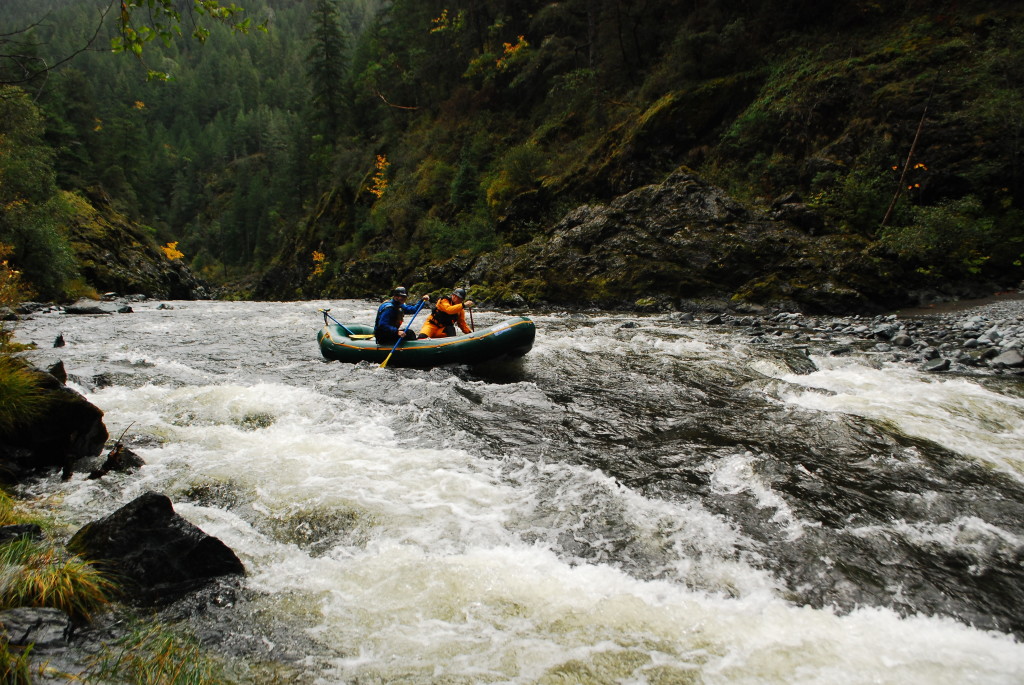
(655, 503)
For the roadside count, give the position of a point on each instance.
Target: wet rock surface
(982, 339)
(156, 554)
(71, 428)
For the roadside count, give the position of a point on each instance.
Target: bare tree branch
(24, 60)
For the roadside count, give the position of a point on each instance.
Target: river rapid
(638, 500)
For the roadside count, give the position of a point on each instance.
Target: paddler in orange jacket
(448, 312)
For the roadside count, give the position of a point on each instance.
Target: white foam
(955, 413)
(736, 474)
(431, 564)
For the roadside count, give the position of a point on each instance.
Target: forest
(332, 148)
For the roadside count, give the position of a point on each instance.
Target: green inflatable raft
(351, 342)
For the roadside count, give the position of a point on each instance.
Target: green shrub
(518, 171)
(856, 201)
(34, 211)
(469, 233)
(951, 238)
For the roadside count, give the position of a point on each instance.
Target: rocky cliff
(116, 255)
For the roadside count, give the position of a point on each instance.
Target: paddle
(328, 316)
(354, 336)
(388, 358)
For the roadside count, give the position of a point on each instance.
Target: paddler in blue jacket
(388, 326)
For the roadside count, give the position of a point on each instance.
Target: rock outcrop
(114, 255)
(155, 554)
(686, 239)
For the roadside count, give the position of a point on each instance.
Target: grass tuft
(8, 516)
(36, 574)
(21, 396)
(14, 664)
(156, 655)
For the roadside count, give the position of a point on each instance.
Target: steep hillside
(361, 144)
(115, 255)
(817, 124)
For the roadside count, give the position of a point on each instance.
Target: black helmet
(460, 293)
(399, 291)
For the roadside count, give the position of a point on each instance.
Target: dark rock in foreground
(153, 552)
(69, 428)
(44, 629)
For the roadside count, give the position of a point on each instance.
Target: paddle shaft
(328, 316)
(388, 358)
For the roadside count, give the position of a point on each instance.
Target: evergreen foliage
(31, 223)
(327, 59)
(496, 117)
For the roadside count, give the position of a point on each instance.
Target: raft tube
(506, 340)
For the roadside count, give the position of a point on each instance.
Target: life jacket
(394, 319)
(443, 319)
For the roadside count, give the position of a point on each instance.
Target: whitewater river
(664, 503)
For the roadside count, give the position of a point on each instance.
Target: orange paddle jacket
(445, 314)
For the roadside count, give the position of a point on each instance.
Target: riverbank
(968, 336)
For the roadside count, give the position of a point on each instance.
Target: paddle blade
(387, 359)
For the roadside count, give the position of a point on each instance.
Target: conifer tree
(327, 67)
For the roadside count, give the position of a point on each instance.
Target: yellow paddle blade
(386, 359)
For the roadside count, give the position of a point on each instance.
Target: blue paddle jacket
(389, 318)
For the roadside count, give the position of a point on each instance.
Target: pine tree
(327, 68)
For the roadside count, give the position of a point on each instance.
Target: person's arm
(447, 307)
(462, 320)
(412, 308)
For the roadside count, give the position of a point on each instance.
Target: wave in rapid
(401, 560)
(958, 414)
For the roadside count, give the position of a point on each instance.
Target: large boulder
(683, 239)
(67, 429)
(153, 552)
(87, 306)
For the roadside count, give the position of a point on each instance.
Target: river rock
(120, 459)
(1011, 358)
(20, 530)
(156, 554)
(63, 650)
(42, 628)
(58, 371)
(936, 365)
(85, 306)
(902, 340)
(70, 428)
